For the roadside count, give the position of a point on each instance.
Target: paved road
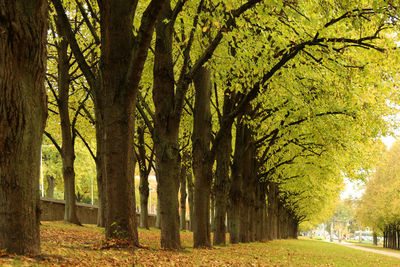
(383, 252)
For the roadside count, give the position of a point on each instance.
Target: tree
(22, 119)
(169, 94)
(287, 65)
(379, 207)
(61, 95)
(115, 87)
(144, 170)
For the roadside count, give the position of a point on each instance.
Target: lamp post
(91, 185)
(41, 173)
(149, 198)
(150, 190)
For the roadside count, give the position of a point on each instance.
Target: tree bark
(158, 216)
(23, 27)
(166, 132)
(101, 194)
(202, 164)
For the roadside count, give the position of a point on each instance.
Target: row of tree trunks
(116, 91)
(391, 235)
(281, 222)
(252, 218)
(23, 113)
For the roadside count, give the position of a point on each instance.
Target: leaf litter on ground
(70, 245)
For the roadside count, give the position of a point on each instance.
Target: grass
(66, 244)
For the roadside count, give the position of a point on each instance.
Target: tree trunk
(67, 148)
(260, 212)
(247, 184)
(221, 183)
(166, 132)
(375, 239)
(212, 211)
(144, 179)
(272, 224)
(252, 209)
(51, 184)
(119, 182)
(183, 195)
(202, 164)
(144, 197)
(235, 193)
(101, 194)
(385, 237)
(221, 188)
(158, 216)
(293, 227)
(190, 186)
(23, 112)
(118, 118)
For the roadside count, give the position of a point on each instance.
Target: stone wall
(53, 210)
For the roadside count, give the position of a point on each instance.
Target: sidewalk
(387, 253)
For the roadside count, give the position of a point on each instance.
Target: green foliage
(321, 113)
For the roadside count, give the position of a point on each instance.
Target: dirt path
(383, 252)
